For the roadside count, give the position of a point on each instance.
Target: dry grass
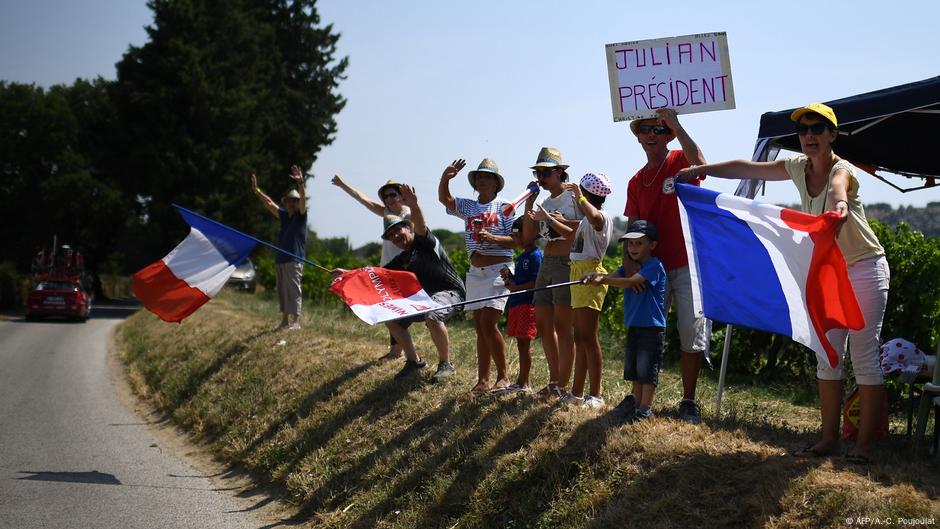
(354, 448)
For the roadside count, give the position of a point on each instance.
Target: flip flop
(857, 459)
(809, 452)
(481, 387)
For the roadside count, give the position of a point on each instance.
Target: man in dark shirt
(424, 256)
(292, 237)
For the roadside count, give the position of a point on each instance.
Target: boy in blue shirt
(521, 310)
(643, 312)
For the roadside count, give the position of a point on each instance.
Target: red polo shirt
(652, 197)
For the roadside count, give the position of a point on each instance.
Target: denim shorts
(444, 297)
(643, 354)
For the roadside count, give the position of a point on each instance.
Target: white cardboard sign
(690, 73)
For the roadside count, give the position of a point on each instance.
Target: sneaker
(571, 398)
(516, 388)
(688, 411)
(642, 414)
(411, 367)
(444, 370)
(593, 403)
(293, 326)
(626, 409)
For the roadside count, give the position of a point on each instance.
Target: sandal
(481, 387)
(857, 459)
(549, 390)
(810, 452)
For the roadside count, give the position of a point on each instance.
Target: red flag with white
(378, 295)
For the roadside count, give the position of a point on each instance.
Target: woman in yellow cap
(828, 183)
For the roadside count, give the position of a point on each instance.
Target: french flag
(768, 268)
(195, 271)
(378, 295)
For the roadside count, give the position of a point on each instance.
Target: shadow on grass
(191, 387)
(320, 395)
(375, 404)
(415, 468)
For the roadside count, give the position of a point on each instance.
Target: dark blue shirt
(292, 235)
(646, 309)
(527, 269)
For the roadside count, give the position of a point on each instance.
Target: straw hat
(391, 221)
(549, 157)
(390, 183)
(487, 166)
(292, 194)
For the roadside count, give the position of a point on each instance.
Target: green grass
(352, 447)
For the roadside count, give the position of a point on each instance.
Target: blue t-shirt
(527, 269)
(646, 308)
(292, 236)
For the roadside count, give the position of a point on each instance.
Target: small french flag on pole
(195, 271)
(768, 268)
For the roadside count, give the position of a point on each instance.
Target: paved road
(72, 455)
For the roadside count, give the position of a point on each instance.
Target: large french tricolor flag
(378, 295)
(768, 268)
(195, 271)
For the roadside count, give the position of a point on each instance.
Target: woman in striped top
(489, 245)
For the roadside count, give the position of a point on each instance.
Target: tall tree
(224, 88)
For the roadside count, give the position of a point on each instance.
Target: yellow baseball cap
(819, 108)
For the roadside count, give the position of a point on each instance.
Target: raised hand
(451, 170)
(337, 181)
(668, 117)
(295, 174)
(574, 188)
(408, 196)
(254, 182)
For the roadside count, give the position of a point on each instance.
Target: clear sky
(432, 81)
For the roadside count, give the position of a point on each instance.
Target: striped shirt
(493, 221)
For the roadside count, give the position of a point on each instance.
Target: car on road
(243, 278)
(58, 298)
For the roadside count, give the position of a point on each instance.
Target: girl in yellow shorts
(590, 244)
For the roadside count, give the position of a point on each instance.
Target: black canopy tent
(892, 131)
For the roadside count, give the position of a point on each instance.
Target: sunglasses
(544, 172)
(659, 130)
(387, 196)
(816, 128)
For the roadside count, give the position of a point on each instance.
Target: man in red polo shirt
(651, 196)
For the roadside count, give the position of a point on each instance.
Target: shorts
(643, 354)
(584, 296)
(521, 322)
(444, 297)
(485, 281)
(693, 336)
(870, 279)
(555, 269)
(288, 286)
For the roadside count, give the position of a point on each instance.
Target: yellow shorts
(584, 296)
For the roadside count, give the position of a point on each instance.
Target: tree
(222, 89)
(56, 178)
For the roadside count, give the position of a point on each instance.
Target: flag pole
(257, 240)
(467, 302)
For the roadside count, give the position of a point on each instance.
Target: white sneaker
(571, 398)
(594, 403)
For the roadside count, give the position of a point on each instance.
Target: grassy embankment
(354, 448)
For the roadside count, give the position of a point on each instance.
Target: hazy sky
(432, 81)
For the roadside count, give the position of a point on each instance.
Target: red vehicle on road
(58, 286)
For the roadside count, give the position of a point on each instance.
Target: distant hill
(925, 220)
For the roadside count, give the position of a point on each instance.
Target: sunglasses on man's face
(544, 172)
(659, 130)
(816, 128)
(387, 196)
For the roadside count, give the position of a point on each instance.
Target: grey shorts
(288, 286)
(555, 269)
(444, 297)
(693, 336)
